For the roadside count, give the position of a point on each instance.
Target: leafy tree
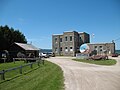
(8, 36)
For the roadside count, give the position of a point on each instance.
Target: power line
(117, 39)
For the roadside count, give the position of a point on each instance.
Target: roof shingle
(27, 46)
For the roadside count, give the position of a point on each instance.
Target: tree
(8, 36)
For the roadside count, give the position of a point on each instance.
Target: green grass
(11, 65)
(47, 77)
(98, 62)
(14, 73)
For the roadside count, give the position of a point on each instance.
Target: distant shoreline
(50, 50)
(117, 51)
(45, 50)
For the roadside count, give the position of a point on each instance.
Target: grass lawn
(47, 77)
(11, 65)
(98, 62)
(15, 73)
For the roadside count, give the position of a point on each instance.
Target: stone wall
(70, 43)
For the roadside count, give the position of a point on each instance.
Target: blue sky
(39, 19)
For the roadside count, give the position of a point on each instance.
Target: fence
(20, 68)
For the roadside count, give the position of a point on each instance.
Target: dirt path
(82, 76)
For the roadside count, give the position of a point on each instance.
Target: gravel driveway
(82, 76)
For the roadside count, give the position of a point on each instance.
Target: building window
(60, 48)
(70, 38)
(101, 50)
(60, 39)
(80, 38)
(100, 46)
(66, 49)
(71, 49)
(65, 38)
(55, 40)
(56, 50)
(95, 46)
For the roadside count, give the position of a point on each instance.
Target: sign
(82, 56)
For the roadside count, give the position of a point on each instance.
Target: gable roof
(27, 46)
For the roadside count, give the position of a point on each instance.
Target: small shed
(27, 49)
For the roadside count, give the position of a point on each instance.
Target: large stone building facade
(68, 43)
(102, 48)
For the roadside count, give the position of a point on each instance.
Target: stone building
(103, 48)
(68, 43)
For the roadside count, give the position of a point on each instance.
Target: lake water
(45, 50)
(50, 50)
(117, 51)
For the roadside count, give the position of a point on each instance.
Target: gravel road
(82, 76)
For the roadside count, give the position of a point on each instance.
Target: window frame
(56, 50)
(61, 49)
(60, 39)
(71, 38)
(71, 48)
(66, 38)
(56, 39)
(66, 49)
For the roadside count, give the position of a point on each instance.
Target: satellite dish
(84, 48)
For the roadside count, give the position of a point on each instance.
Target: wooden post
(20, 69)
(43, 61)
(3, 75)
(14, 60)
(31, 65)
(24, 60)
(4, 60)
(38, 62)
